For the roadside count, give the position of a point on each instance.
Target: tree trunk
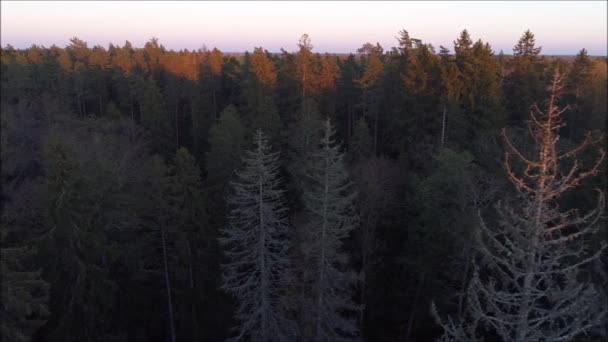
(79, 104)
(463, 283)
(84, 104)
(350, 124)
(410, 322)
(176, 126)
(263, 272)
(132, 117)
(100, 105)
(214, 106)
(375, 133)
(443, 127)
(367, 248)
(303, 86)
(322, 258)
(194, 315)
(168, 286)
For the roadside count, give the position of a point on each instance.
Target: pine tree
(451, 84)
(346, 97)
(258, 88)
(329, 203)
(327, 81)
(123, 59)
(538, 258)
(256, 246)
(369, 84)
(306, 72)
(207, 103)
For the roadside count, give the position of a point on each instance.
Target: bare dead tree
(529, 282)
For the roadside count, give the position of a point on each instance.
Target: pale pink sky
(561, 27)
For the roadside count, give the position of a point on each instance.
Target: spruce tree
(329, 206)
(226, 143)
(256, 246)
(524, 85)
(187, 232)
(302, 137)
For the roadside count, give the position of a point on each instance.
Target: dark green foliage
(226, 145)
(24, 294)
(361, 141)
(327, 308)
(303, 135)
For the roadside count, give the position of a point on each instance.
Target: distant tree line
(402, 194)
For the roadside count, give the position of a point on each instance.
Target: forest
(394, 194)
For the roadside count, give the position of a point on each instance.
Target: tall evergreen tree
(580, 82)
(256, 246)
(524, 83)
(302, 137)
(305, 67)
(329, 205)
(259, 84)
(82, 291)
(226, 145)
(191, 239)
(369, 84)
(347, 94)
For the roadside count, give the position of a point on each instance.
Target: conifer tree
(81, 290)
(328, 76)
(329, 206)
(187, 233)
(369, 84)
(347, 94)
(305, 67)
(303, 135)
(538, 257)
(258, 87)
(525, 82)
(226, 141)
(578, 88)
(256, 246)
(226, 144)
(155, 117)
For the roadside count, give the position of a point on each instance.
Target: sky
(560, 27)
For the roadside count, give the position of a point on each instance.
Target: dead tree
(530, 281)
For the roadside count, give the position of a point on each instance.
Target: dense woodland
(401, 194)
